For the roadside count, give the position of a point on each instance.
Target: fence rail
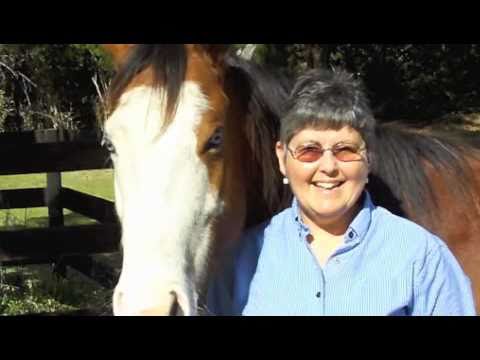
(53, 152)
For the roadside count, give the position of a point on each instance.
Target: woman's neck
(327, 236)
(328, 228)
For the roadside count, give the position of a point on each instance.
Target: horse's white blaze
(163, 197)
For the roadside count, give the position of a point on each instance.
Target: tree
(45, 86)
(412, 82)
(51, 85)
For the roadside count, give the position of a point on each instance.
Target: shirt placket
(319, 289)
(333, 268)
(336, 268)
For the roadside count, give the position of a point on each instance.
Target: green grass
(35, 288)
(95, 182)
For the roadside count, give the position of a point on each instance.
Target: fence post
(55, 213)
(52, 199)
(51, 159)
(53, 202)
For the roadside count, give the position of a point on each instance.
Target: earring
(285, 181)
(366, 181)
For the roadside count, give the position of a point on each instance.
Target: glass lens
(309, 153)
(342, 152)
(346, 153)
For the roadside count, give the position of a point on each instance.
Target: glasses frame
(331, 149)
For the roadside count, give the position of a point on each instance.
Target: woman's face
(327, 189)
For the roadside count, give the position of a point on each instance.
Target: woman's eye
(310, 149)
(347, 149)
(215, 141)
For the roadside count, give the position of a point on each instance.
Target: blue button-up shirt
(387, 265)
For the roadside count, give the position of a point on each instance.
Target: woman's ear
(281, 153)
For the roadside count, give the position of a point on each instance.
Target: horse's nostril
(175, 308)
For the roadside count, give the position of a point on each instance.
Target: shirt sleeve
(441, 287)
(228, 292)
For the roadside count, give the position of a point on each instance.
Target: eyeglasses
(312, 152)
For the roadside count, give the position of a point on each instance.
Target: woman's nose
(328, 163)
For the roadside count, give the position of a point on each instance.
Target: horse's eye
(107, 143)
(216, 140)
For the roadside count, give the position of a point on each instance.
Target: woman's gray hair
(328, 99)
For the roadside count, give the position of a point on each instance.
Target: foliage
(37, 289)
(50, 86)
(412, 82)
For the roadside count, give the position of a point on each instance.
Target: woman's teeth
(327, 186)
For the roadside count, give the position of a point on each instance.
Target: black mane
(267, 92)
(263, 94)
(169, 64)
(399, 177)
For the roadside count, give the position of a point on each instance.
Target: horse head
(179, 182)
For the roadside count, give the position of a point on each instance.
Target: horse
(191, 129)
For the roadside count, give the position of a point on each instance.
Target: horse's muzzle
(170, 306)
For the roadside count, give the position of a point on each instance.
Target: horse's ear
(119, 52)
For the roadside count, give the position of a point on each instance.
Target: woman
(333, 252)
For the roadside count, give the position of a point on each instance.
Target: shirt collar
(358, 227)
(360, 224)
(297, 217)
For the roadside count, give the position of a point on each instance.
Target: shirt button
(350, 234)
(337, 261)
(318, 294)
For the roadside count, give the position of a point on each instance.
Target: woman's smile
(328, 185)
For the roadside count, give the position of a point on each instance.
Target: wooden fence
(53, 152)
